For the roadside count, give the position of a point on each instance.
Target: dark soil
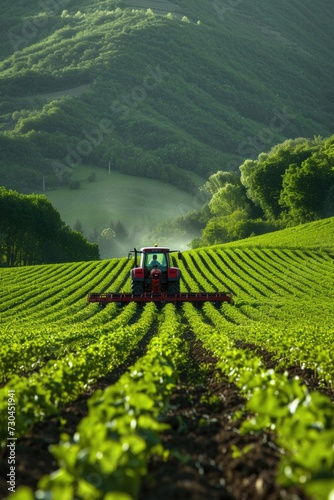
(201, 439)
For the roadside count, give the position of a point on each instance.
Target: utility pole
(44, 184)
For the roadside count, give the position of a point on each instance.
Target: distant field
(138, 203)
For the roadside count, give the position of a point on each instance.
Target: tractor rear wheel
(173, 287)
(137, 287)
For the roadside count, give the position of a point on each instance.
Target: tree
(262, 178)
(78, 227)
(307, 188)
(106, 240)
(120, 231)
(94, 236)
(224, 228)
(108, 234)
(32, 232)
(219, 180)
(227, 199)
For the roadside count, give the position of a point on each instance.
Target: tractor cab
(156, 259)
(154, 273)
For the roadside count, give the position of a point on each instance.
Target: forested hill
(154, 87)
(32, 232)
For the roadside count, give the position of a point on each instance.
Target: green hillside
(149, 90)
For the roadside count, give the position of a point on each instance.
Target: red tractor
(154, 280)
(154, 274)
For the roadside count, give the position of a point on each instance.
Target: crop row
(278, 312)
(252, 273)
(302, 421)
(53, 343)
(263, 273)
(75, 286)
(111, 447)
(21, 351)
(45, 289)
(61, 381)
(65, 295)
(74, 307)
(308, 343)
(21, 280)
(265, 283)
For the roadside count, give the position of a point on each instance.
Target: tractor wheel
(137, 287)
(173, 287)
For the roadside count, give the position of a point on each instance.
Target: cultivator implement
(155, 280)
(124, 298)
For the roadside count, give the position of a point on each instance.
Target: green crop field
(315, 235)
(273, 348)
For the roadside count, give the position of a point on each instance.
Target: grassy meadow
(138, 203)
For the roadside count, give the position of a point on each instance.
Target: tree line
(32, 232)
(291, 184)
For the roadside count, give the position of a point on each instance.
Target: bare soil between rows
(200, 440)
